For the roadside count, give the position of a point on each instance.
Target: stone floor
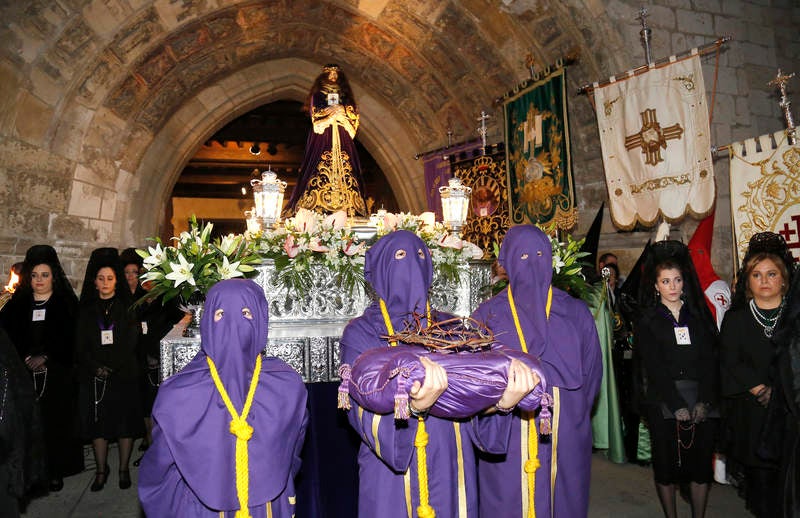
(618, 490)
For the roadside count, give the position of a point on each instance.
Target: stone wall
(102, 102)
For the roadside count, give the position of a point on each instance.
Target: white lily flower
(181, 272)
(229, 270)
(228, 244)
(156, 256)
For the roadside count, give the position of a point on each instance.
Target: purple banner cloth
(437, 172)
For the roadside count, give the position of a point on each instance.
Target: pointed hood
(527, 256)
(700, 252)
(400, 270)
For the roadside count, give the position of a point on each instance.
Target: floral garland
(310, 238)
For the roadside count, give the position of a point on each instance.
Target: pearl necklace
(768, 323)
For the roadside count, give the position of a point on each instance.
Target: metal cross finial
(646, 33)
(482, 130)
(786, 103)
(530, 62)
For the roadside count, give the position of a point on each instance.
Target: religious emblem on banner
(654, 134)
(540, 188)
(765, 190)
(487, 219)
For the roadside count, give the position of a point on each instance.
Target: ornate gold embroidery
(609, 105)
(660, 183)
(686, 81)
(652, 137)
(770, 196)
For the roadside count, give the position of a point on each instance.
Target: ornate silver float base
(305, 332)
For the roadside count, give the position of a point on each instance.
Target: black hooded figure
(756, 409)
(22, 457)
(106, 338)
(675, 337)
(787, 392)
(40, 320)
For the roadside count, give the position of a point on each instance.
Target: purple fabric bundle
(381, 378)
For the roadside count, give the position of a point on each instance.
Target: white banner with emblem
(765, 190)
(654, 134)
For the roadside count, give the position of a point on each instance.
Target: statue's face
(333, 76)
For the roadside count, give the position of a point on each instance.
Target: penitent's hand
(424, 395)
(521, 380)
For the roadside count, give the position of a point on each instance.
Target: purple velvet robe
(319, 143)
(389, 480)
(189, 470)
(568, 347)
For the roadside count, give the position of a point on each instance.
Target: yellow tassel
(242, 431)
(532, 464)
(420, 441)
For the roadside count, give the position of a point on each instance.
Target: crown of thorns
(450, 335)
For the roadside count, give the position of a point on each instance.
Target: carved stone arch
(200, 116)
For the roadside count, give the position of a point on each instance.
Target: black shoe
(124, 479)
(100, 478)
(56, 485)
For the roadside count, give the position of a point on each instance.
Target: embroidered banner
(437, 171)
(654, 135)
(540, 188)
(487, 219)
(765, 190)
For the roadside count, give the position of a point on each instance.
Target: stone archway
(170, 148)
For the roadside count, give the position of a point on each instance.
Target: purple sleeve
(392, 442)
(593, 359)
(491, 433)
(160, 485)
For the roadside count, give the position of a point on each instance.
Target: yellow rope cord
(420, 441)
(532, 463)
(241, 430)
(421, 438)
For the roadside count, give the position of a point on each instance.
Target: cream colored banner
(654, 136)
(765, 190)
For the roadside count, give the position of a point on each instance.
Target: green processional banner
(540, 188)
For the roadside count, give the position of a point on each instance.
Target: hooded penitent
(560, 331)
(193, 438)
(392, 462)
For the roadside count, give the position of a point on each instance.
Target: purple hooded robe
(400, 270)
(189, 470)
(569, 349)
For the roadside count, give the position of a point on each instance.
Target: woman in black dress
(748, 367)
(108, 372)
(40, 320)
(154, 319)
(675, 336)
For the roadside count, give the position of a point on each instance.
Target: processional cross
(482, 130)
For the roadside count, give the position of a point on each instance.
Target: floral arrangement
(188, 268)
(311, 238)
